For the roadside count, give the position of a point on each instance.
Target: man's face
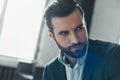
(70, 34)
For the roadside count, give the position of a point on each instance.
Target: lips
(78, 47)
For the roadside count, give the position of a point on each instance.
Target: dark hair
(60, 8)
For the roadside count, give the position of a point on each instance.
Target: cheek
(63, 41)
(83, 36)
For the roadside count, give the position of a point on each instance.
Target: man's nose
(74, 38)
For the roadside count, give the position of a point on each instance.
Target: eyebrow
(79, 26)
(67, 31)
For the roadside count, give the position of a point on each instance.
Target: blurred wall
(106, 20)
(48, 49)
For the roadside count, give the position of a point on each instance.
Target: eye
(63, 33)
(79, 28)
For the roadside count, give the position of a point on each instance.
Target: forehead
(68, 22)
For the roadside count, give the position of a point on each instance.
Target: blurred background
(25, 47)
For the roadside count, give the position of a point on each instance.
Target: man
(80, 58)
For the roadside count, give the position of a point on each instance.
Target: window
(20, 28)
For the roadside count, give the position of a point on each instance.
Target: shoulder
(105, 47)
(110, 57)
(53, 63)
(48, 73)
(52, 68)
(103, 44)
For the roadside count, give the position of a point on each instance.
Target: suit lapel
(60, 72)
(92, 59)
(88, 68)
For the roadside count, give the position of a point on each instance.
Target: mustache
(79, 44)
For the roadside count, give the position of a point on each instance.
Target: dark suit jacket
(102, 63)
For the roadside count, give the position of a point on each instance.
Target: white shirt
(76, 72)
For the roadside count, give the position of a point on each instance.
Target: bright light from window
(1, 5)
(21, 28)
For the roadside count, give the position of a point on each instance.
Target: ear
(51, 35)
(85, 21)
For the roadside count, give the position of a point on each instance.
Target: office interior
(102, 17)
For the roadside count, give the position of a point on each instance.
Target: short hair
(60, 8)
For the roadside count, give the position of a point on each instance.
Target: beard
(75, 50)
